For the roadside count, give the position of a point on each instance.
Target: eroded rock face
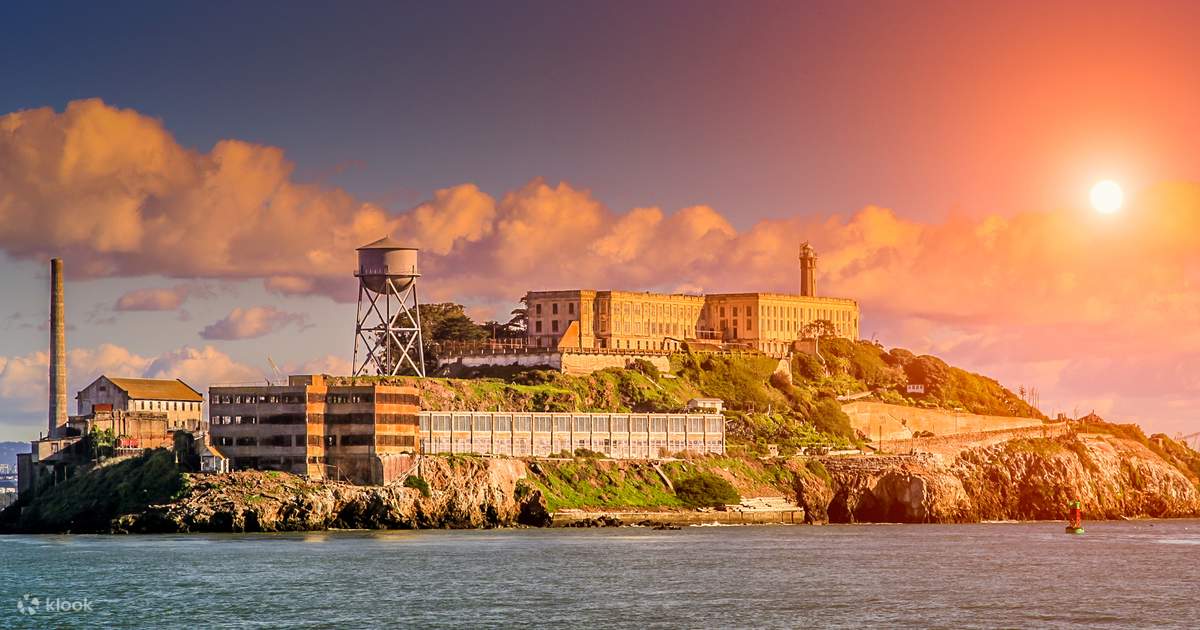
(464, 493)
(814, 495)
(1028, 479)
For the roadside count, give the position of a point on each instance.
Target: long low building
(368, 430)
(618, 435)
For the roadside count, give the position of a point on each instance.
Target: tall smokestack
(58, 350)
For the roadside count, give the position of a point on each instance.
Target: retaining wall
(888, 422)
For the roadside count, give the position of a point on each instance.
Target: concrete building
(624, 320)
(347, 428)
(713, 405)
(627, 320)
(176, 399)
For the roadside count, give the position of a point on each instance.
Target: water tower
(388, 323)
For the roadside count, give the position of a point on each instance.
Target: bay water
(1026, 575)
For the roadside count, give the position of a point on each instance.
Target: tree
(520, 317)
(818, 329)
(441, 323)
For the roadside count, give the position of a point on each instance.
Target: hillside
(790, 404)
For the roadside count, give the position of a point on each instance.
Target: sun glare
(1107, 197)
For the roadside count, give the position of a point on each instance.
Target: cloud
(248, 323)
(24, 378)
(328, 364)
(113, 192)
(161, 299)
(1095, 307)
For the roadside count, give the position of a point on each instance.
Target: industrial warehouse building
(319, 426)
(173, 398)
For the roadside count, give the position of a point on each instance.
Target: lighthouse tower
(808, 270)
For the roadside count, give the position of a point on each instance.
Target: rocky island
(804, 454)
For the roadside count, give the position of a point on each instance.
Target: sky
(207, 169)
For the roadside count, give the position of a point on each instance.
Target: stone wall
(586, 363)
(879, 420)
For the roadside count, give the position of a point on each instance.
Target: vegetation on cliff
(88, 501)
(791, 404)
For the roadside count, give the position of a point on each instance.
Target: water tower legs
(387, 336)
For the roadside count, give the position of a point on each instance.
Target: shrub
(706, 490)
(807, 366)
(536, 377)
(588, 453)
(645, 367)
(827, 416)
(413, 481)
(818, 469)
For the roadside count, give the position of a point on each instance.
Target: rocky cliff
(458, 492)
(1024, 479)
(453, 492)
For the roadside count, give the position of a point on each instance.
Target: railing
(456, 349)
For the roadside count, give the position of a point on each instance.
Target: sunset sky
(206, 170)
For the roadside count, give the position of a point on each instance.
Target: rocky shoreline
(1021, 480)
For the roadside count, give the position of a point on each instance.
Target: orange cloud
(1065, 290)
(167, 299)
(248, 323)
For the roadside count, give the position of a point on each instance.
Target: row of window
(290, 440)
(505, 423)
(386, 398)
(537, 308)
(163, 405)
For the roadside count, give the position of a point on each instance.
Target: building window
(735, 309)
(554, 308)
(537, 308)
(748, 326)
(554, 325)
(570, 308)
(537, 326)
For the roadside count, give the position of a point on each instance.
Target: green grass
(89, 501)
(586, 484)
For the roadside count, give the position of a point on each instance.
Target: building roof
(386, 242)
(156, 389)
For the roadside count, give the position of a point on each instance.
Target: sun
(1107, 196)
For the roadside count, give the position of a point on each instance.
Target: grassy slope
(592, 484)
(763, 409)
(89, 501)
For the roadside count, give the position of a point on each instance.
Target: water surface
(1120, 574)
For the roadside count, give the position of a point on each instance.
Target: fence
(622, 436)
